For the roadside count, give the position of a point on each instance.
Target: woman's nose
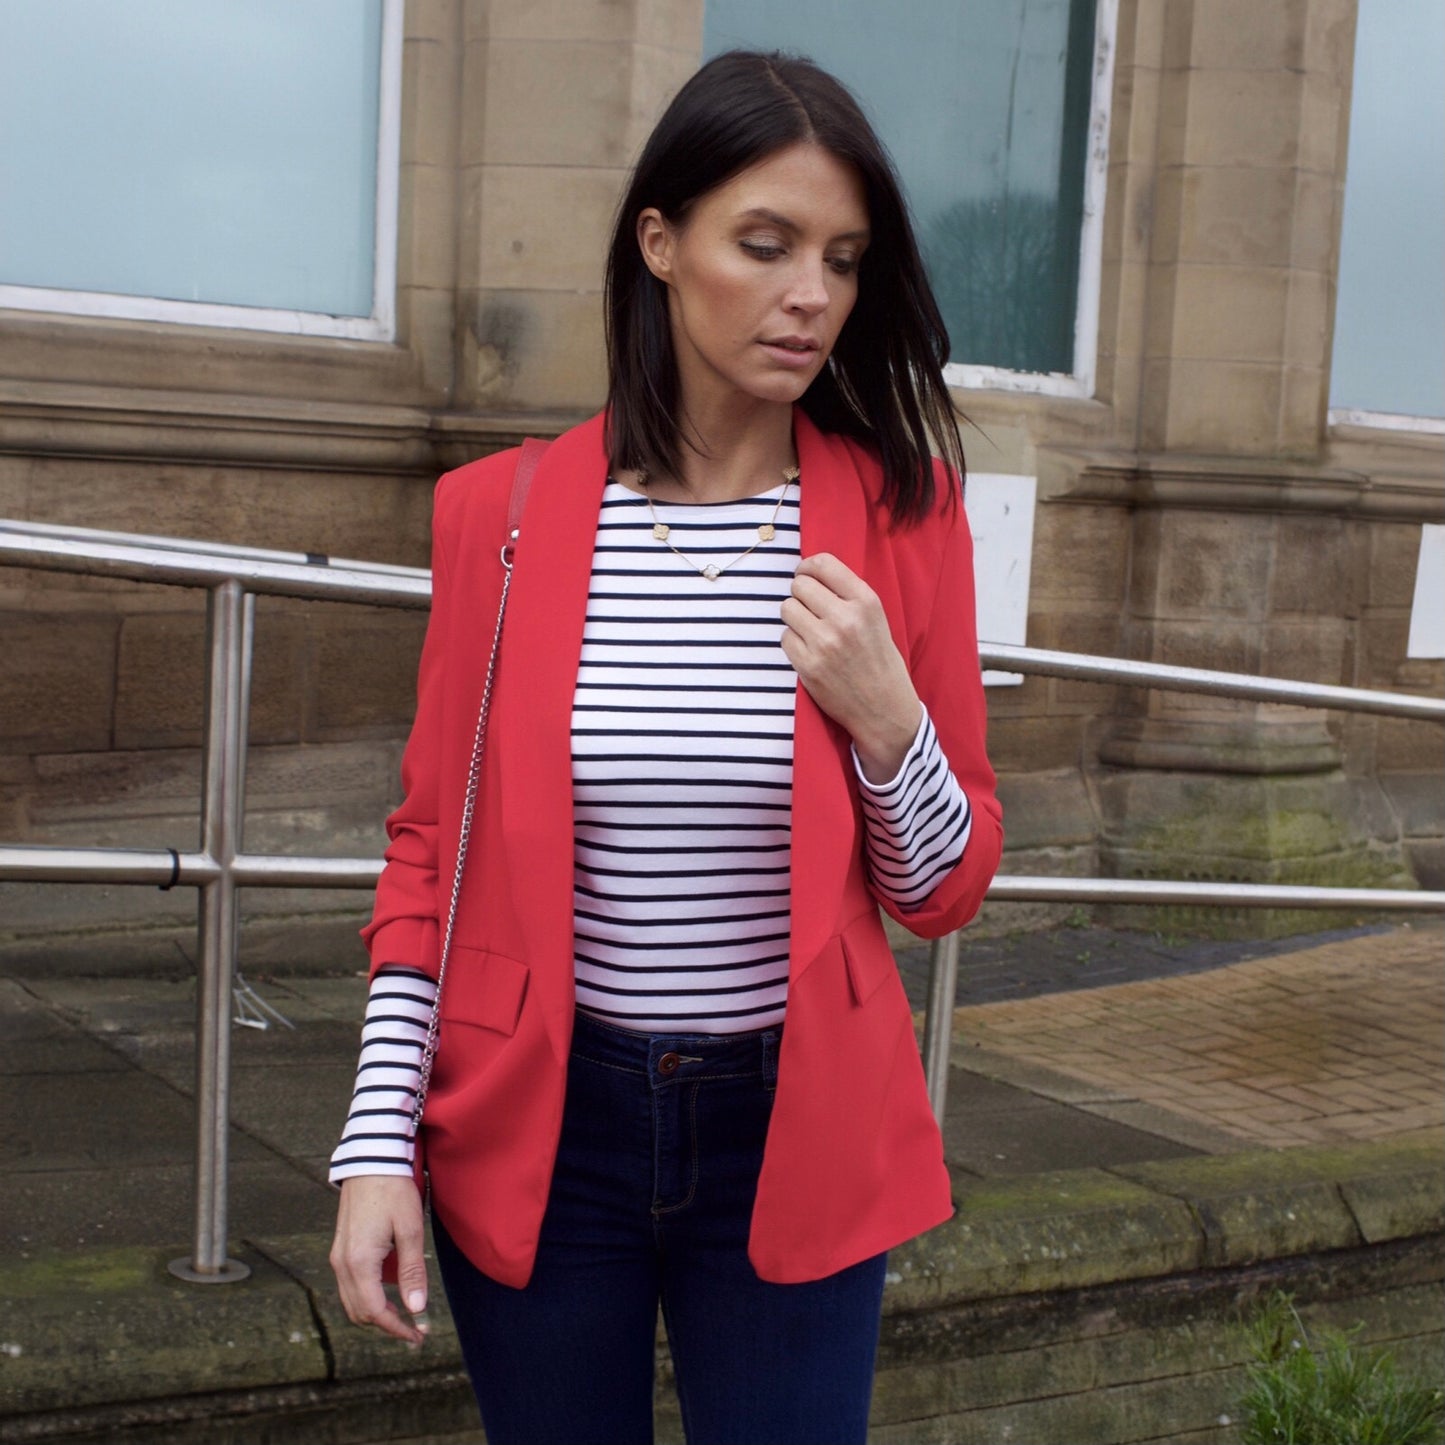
(809, 291)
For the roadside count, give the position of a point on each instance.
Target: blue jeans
(662, 1141)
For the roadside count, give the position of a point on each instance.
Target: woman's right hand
(379, 1211)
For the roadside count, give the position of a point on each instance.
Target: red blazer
(854, 1162)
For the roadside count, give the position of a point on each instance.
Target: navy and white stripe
(377, 1136)
(916, 826)
(682, 761)
(682, 768)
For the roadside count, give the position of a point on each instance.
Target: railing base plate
(232, 1272)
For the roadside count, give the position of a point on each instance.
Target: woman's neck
(727, 458)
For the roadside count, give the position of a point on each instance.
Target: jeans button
(668, 1063)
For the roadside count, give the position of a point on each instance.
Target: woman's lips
(798, 355)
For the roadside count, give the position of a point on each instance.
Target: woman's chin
(784, 388)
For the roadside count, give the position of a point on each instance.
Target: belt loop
(772, 1047)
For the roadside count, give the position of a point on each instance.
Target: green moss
(108, 1272)
(1250, 837)
(1306, 842)
(1266, 1169)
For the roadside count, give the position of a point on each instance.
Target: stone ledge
(1240, 484)
(39, 418)
(113, 1326)
(1269, 1203)
(1044, 1232)
(111, 1331)
(1141, 1360)
(435, 1404)
(356, 1353)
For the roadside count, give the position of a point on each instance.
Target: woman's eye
(843, 265)
(764, 250)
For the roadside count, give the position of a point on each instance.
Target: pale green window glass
(192, 150)
(985, 109)
(1389, 349)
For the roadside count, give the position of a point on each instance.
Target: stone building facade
(1198, 508)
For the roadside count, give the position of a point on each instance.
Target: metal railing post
(230, 624)
(938, 1021)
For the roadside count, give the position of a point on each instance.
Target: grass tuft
(1329, 1391)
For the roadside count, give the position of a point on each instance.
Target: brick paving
(1063, 958)
(1340, 1041)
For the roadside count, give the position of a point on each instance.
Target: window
(1389, 350)
(987, 109)
(202, 161)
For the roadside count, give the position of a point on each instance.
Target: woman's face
(761, 276)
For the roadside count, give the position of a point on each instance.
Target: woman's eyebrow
(762, 213)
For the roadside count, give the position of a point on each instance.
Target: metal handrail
(324, 578)
(280, 574)
(90, 536)
(234, 576)
(164, 868)
(1199, 679)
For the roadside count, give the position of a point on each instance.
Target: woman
(738, 707)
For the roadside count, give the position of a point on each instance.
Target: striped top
(682, 768)
(682, 744)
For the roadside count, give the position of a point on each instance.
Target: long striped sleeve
(377, 1137)
(916, 824)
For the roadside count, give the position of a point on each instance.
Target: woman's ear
(654, 240)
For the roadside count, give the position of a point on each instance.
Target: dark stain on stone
(501, 328)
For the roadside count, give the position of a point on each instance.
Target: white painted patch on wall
(1001, 516)
(1427, 612)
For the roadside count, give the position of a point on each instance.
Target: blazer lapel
(545, 615)
(834, 518)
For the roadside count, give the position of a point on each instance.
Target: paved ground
(1333, 1038)
(1072, 957)
(1337, 1041)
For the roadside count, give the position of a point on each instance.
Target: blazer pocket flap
(485, 989)
(870, 963)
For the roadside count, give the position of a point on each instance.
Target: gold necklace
(766, 530)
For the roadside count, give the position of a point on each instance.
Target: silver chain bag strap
(532, 451)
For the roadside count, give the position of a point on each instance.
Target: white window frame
(1080, 381)
(379, 326)
(1387, 420)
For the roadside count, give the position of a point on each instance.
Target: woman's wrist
(882, 746)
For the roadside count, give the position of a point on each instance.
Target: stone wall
(1106, 1305)
(1198, 509)
(1095, 1307)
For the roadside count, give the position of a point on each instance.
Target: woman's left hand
(836, 636)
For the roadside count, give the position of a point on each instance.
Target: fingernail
(420, 1320)
(415, 1301)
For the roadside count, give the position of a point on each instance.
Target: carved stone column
(1245, 556)
(1219, 789)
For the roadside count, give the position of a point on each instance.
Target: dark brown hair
(883, 384)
